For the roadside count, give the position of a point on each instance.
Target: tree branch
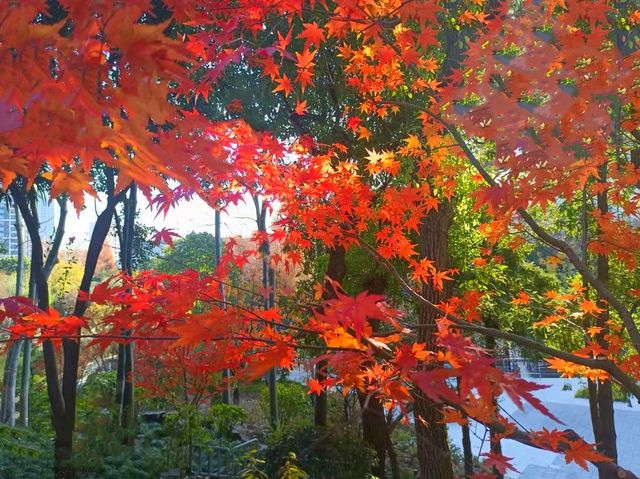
(594, 363)
(544, 235)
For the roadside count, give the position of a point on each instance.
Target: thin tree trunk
(226, 374)
(20, 238)
(336, 271)
(8, 405)
(375, 429)
(126, 403)
(62, 448)
(495, 444)
(434, 454)
(467, 452)
(49, 264)
(272, 378)
(25, 383)
(268, 284)
(375, 432)
(62, 397)
(601, 392)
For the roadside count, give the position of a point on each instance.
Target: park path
(536, 464)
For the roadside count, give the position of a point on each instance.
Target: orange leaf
(301, 107)
(312, 34)
(522, 298)
(581, 452)
(590, 307)
(284, 85)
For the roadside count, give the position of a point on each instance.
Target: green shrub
(25, 454)
(336, 453)
(294, 404)
(224, 417)
(101, 452)
(619, 394)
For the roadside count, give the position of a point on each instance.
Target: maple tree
(536, 102)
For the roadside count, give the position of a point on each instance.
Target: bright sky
(188, 216)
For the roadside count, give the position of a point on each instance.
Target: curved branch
(52, 256)
(594, 363)
(561, 245)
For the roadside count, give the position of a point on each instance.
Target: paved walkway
(533, 463)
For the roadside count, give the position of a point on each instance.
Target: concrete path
(536, 464)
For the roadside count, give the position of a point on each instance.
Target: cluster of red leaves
(539, 85)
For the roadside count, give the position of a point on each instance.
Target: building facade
(9, 234)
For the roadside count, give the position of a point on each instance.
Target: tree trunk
(62, 454)
(8, 405)
(495, 444)
(25, 383)
(375, 429)
(375, 432)
(272, 377)
(226, 374)
(336, 271)
(268, 284)
(434, 454)
(124, 374)
(601, 392)
(62, 397)
(467, 452)
(49, 264)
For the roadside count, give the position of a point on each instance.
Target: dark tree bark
(376, 433)
(495, 444)
(336, 271)
(226, 374)
(434, 454)
(62, 396)
(467, 452)
(124, 374)
(268, 283)
(375, 428)
(49, 264)
(601, 392)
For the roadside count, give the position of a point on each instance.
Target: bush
(101, 452)
(25, 454)
(224, 417)
(323, 454)
(294, 404)
(619, 394)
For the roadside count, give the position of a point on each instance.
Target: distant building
(9, 235)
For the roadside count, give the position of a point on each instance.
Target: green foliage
(253, 466)
(39, 409)
(291, 470)
(97, 392)
(323, 454)
(224, 417)
(195, 251)
(24, 454)
(101, 452)
(294, 404)
(619, 394)
(64, 283)
(9, 264)
(183, 428)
